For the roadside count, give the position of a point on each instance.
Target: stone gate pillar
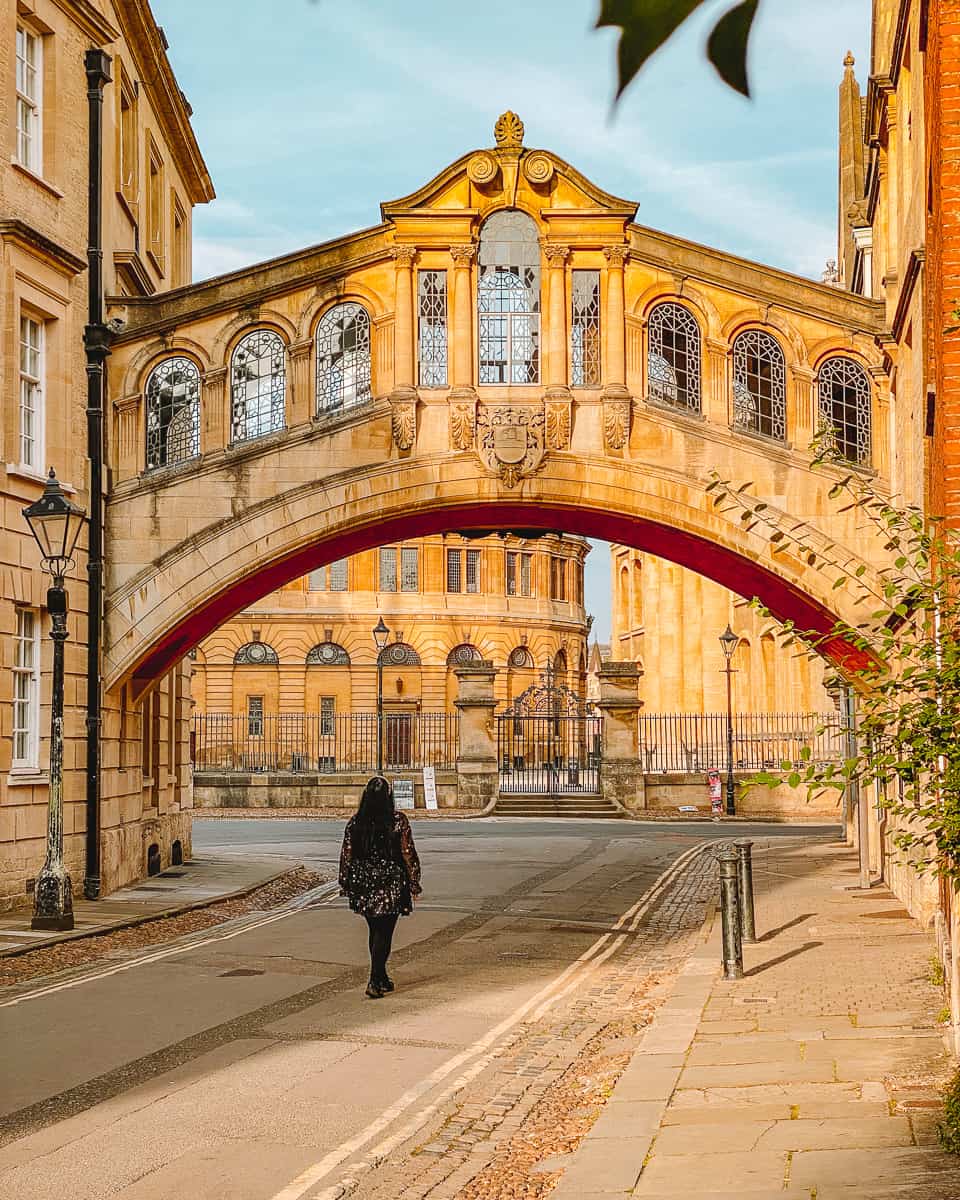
(621, 773)
(477, 768)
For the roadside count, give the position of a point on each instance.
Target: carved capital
(300, 349)
(403, 418)
(463, 256)
(557, 412)
(404, 256)
(556, 254)
(215, 377)
(616, 256)
(124, 405)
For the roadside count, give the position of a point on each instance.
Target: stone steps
(555, 806)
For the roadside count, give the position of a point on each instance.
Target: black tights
(381, 941)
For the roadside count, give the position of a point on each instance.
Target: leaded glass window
(338, 575)
(432, 301)
(255, 716)
(257, 386)
(409, 569)
(343, 358)
(473, 570)
(845, 403)
(454, 583)
(759, 384)
(509, 299)
(328, 654)
(520, 657)
(585, 330)
(256, 654)
(399, 654)
(388, 568)
(518, 573)
(328, 715)
(173, 413)
(463, 655)
(674, 357)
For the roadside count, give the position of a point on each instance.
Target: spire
(849, 62)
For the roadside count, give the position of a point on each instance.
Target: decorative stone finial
(849, 61)
(508, 131)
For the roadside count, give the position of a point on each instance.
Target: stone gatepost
(477, 768)
(621, 774)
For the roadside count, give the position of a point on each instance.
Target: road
(246, 1064)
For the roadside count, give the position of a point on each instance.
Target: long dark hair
(373, 823)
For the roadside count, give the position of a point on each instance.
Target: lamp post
(381, 635)
(729, 642)
(55, 523)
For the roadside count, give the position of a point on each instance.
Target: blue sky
(310, 112)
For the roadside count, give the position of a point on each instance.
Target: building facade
(153, 175)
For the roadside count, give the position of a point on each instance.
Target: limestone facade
(153, 175)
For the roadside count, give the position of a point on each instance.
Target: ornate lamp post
(55, 523)
(381, 635)
(729, 642)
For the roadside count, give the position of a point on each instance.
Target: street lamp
(729, 642)
(381, 635)
(55, 523)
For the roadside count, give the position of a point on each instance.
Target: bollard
(748, 929)
(729, 909)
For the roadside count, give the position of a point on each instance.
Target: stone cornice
(90, 19)
(19, 232)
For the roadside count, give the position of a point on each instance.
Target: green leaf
(728, 44)
(645, 25)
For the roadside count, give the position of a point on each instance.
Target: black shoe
(375, 991)
(386, 984)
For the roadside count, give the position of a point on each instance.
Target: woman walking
(379, 873)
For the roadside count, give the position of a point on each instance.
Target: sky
(309, 113)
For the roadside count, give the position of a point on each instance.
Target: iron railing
(678, 743)
(314, 742)
(549, 755)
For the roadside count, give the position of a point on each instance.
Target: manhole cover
(239, 971)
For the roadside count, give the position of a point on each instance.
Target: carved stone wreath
(511, 441)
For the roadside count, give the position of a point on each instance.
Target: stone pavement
(196, 883)
(816, 1076)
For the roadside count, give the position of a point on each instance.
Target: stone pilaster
(617, 406)
(462, 356)
(477, 768)
(802, 415)
(128, 435)
(403, 355)
(716, 397)
(215, 410)
(621, 776)
(301, 393)
(556, 256)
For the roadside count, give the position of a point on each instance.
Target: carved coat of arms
(511, 440)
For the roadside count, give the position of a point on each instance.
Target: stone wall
(264, 790)
(670, 793)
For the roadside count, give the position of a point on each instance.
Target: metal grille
(388, 568)
(509, 299)
(463, 655)
(338, 575)
(678, 743)
(328, 654)
(324, 742)
(674, 357)
(257, 386)
(256, 654)
(399, 654)
(409, 569)
(432, 296)
(549, 742)
(173, 413)
(473, 571)
(343, 358)
(585, 330)
(453, 571)
(845, 402)
(759, 384)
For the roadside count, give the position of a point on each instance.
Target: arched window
(520, 658)
(560, 663)
(399, 654)
(328, 654)
(674, 357)
(173, 412)
(759, 384)
(845, 402)
(257, 386)
(508, 299)
(343, 358)
(256, 654)
(463, 655)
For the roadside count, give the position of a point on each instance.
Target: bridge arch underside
(172, 604)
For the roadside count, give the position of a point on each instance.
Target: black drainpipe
(96, 339)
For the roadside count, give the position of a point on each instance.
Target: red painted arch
(719, 563)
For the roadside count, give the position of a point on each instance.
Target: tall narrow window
(343, 358)
(255, 716)
(845, 402)
(673, 357)
(29, 99)
(473, 570)
(155, 203)
(173, 413)
(409, 569)
(454, 583)
(388, 568)
(558, 579)
(759, 384)
(509, 299)
(317, 580)
(257, 386)
(31, 394)
(127, 173)
(338, 575)
(512, 557)
(432, 298)
(585, 329)
(26, 690)
(180, 273)
(518, 573)
(328, 716)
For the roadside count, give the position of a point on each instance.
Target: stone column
(617, 408)
(403, 355)
(462, 356)
(215, 411)
(556, 379)
(621, 774)
(802, 415)
(300, 395)
(716, 401)
(477, 768)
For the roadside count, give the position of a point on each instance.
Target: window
(520, 658)
(255, 716)
(409, 569)
(398, 654)
(388, 568)
(432, 299)
(180, 267)
(585, 329)
(759, 384)
(845, 400)
(173, 413)
(473, 571)
(31, 393)
(463, 655)
(155, 203)
(328, 716)
(26, 690)
(256, 654)
(328, 654)
(29, 96)
(331, 578)
(343, 358)
(509, 299)
(673, 357)
(127, 172)
(558, 578)
(518, 573)
(257, 386)
(453, 571)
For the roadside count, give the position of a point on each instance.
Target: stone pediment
(508, 175)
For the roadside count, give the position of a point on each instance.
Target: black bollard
(729, 910)
(748, 928)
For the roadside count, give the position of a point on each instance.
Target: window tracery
(759, 384)
(343, 358)
(257, 385)
(845, 403)
(674, 357)
(508, 299)
(256, 654)
(173, 412)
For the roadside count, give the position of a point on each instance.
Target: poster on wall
(430, 787)
(403, 793)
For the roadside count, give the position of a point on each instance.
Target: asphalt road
(247, 1058)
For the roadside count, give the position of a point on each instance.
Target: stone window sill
(27, 778)
(37, 179)
(21, 472)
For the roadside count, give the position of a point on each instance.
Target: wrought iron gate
(549, 742)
